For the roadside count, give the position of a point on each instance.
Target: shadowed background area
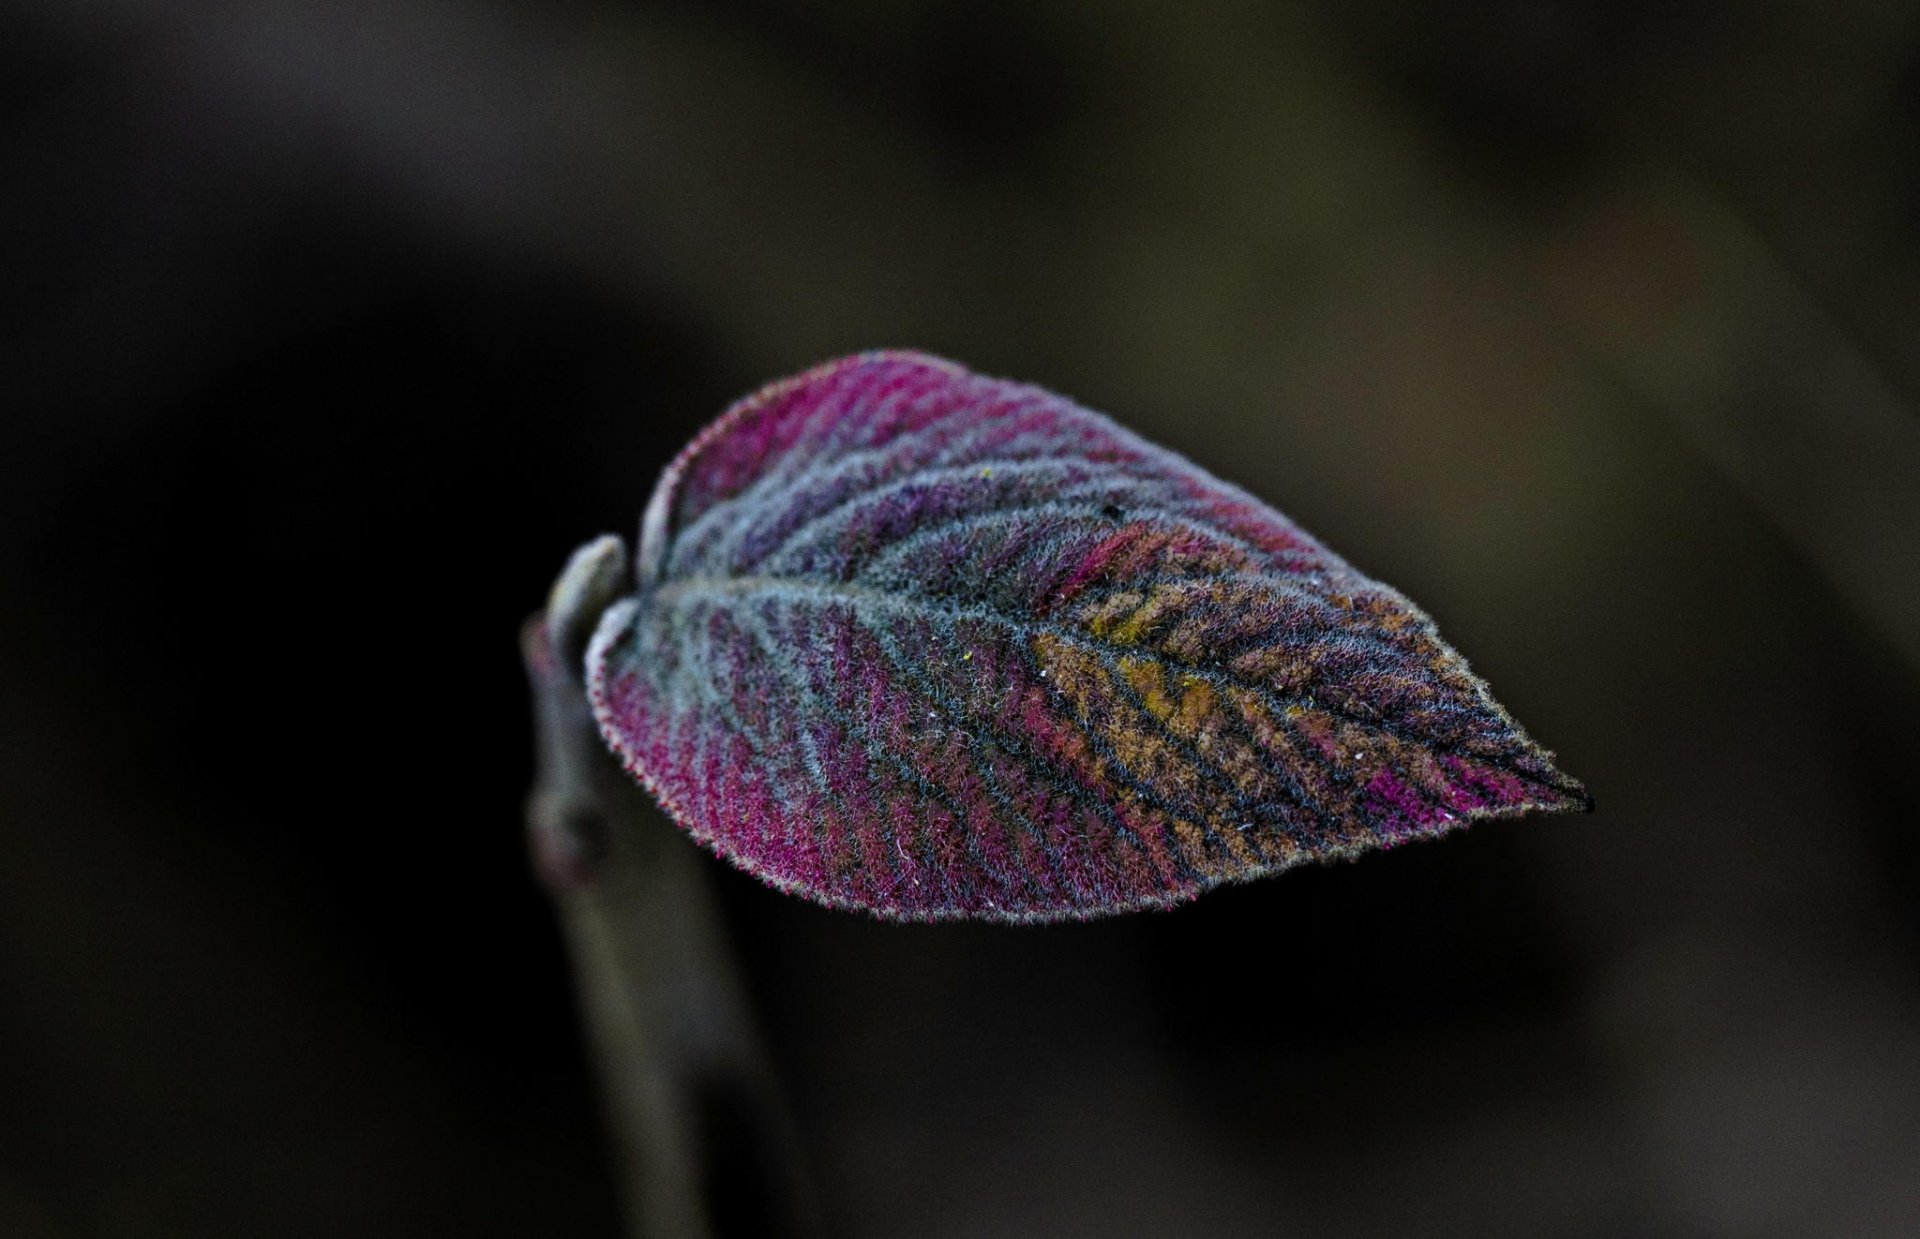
(328, 329)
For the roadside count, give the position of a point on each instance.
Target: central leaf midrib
(1024, 626)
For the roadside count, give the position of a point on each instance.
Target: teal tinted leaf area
(915, 641)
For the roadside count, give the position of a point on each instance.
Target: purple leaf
(934, 645)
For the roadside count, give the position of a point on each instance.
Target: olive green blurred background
(328, 329)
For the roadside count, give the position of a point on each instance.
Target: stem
(706, 1147)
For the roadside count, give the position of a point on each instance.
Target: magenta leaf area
(916, 641)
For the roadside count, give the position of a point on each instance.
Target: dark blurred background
(330, 328)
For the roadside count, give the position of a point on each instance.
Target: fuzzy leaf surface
(929, 644)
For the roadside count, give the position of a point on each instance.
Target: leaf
(934, 645)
